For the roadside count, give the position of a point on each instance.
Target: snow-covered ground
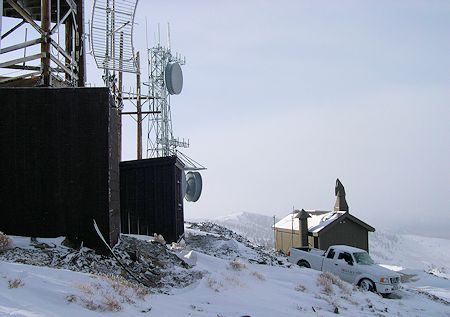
(424, 261)
(232, 283)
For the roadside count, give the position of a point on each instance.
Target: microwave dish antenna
(111, 35)
(192, 186)
(165, 79)
(174, 78)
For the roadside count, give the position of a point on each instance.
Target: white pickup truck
(350, 264)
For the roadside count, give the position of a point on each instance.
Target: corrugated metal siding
(57, 170)
(151, 198)
(346, 232)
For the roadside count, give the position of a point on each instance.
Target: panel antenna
(111, 37)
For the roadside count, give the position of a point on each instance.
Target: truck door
(345, 268)
(328, 262)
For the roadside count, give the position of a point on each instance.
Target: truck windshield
(363, 258)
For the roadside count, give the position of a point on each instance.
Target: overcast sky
(282, 97)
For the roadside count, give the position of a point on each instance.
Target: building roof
(319, 220)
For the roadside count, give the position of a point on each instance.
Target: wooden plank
(21, 60)
(7, 80)
(66, 70)
(20, 46)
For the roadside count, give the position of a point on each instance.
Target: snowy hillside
(222, 274)
(411, 251)
(254, 227)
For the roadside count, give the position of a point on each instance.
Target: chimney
(339, 191)
(303, 227)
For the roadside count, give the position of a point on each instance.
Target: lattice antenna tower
(165, 79)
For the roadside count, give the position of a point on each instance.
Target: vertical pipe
(58, 19)
(292, 228)
(45, 45)
(1, 14)
(69, 44)
(138, 108)
(274, 234)
(25, 49)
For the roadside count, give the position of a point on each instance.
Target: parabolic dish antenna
(193, 186)
(174, 78)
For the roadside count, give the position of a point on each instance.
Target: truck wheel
(303, 263)
(366, 285)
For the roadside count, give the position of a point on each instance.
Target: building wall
(59, 170)
(345, 232)
(284, 238)
(151, 198)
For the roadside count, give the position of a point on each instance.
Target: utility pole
(45, 44)
(274, 234)
(138, 108)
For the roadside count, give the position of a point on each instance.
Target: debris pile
(152, 263)
(219, 241)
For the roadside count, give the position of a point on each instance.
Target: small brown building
(320, 229)
(325, 228)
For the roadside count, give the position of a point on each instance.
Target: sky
(280, 98)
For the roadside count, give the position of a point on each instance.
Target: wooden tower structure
(51, 51)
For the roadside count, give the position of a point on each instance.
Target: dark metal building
(60, 166)
(347, 230)
(151, 197)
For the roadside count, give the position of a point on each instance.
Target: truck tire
(303, 263)
(366, 285)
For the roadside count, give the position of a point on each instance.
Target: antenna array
(112, 37)
(165, 79)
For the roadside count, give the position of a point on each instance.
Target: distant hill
(411, 251)
(255, 227)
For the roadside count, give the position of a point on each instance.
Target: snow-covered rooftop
(318, 220)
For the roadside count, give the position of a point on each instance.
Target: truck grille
(394, 280)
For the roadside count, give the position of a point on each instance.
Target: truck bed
(314, 257)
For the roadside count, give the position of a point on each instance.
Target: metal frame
(53, 65)
(112, 26)
(160, 139)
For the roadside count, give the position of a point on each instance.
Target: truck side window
(345, 256)
(331, 254)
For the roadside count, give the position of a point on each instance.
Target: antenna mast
(165, 79)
